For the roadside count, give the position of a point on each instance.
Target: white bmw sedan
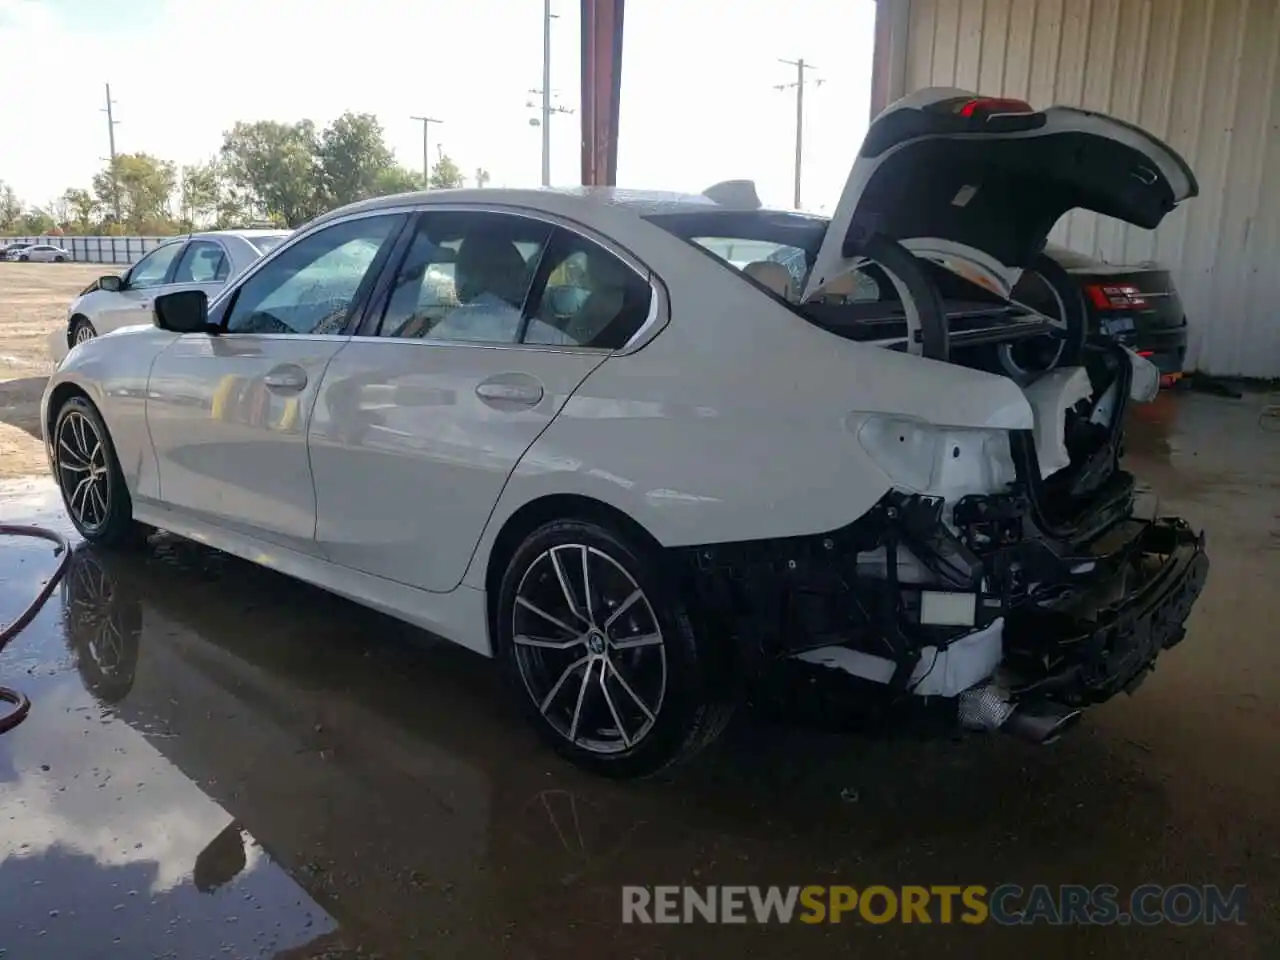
(651, 450)
(198, 261)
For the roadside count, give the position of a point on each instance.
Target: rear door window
(466, 277)
(589, 297)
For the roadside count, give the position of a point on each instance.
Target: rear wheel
(89, 477)
(599, 650)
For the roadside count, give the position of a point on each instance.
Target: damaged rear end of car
(1007, 577)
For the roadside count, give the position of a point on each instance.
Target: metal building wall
(1202, 74)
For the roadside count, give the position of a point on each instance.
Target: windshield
(268, 243)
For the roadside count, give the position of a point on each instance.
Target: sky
(699, 103)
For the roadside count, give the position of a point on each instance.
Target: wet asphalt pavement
(221, 762)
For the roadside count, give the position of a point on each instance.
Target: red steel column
(601, 86)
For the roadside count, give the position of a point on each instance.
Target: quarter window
(152, 269)
(466, 276)
(311, 286)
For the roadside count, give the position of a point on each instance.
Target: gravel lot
(33, 301)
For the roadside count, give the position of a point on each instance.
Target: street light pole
(426, 155)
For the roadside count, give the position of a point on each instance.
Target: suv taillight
(1123, 296)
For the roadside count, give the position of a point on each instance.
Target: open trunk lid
(975, 184)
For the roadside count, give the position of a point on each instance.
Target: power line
(111, 140)
(426, 153)
(801, 66)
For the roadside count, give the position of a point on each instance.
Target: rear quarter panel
(739, 420)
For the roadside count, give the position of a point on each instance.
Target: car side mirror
(186, 311)
(111, 283)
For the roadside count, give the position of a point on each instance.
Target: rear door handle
(515, 389)
(285, 378)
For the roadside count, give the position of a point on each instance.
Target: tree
(81, 208)
(445, 173)
(10, 207)
(482, 177)
(35, 223)
(143, 185)
(274, 165)
(200, 192)
(396, 179)
(352, 156)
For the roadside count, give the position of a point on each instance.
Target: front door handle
(517, 391)
(286, 378)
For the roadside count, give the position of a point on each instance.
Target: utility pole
(801, 66)
(546, 93)
(111, 140)
(426, 153)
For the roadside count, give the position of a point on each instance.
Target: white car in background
(644, 478)
(198, 261)
(41, 253)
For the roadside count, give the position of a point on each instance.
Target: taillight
(1115, 297)
(990, 106)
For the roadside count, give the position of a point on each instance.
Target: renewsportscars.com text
(1006, 904)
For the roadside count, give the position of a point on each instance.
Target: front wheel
(59, 259)
(81, 330)
(89, 477)
(600, 652)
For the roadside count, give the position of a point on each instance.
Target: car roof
(563, 200)
(245, 234)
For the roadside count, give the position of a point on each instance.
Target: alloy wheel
(589, 648)
(83, 473)
(83, 332)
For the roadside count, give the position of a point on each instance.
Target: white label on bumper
(947, 609)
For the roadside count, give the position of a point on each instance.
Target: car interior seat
(771, 275)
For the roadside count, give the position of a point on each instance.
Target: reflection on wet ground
(221, 762)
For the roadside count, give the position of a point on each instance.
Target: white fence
(97, 249)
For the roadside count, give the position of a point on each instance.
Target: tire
(24, 259)
(81, 330)
(640, 708)
(89, 478)
(59, 259)
(1070, 299)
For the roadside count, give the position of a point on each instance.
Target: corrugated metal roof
(1202, 74)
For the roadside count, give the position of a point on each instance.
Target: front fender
(112, 372)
